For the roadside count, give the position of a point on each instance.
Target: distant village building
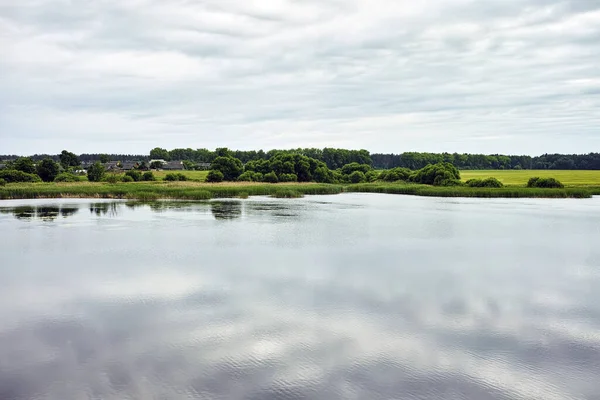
(129, 165)
(112, 166)
(173, 165)
(203, 166)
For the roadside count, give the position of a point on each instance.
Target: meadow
(573, 178)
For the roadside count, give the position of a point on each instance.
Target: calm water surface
(327, 297)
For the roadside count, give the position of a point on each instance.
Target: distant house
(129, 165)
(203, 166)
(112, 166)
(2, 166)
(173, 165)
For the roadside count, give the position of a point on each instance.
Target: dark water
(327, 297)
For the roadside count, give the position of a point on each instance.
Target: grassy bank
(463, 191)
(159, 190)
(202, 191)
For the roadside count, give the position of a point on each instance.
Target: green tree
(230, 167)
(160, 154)
(104, 158)
(156, 165)
(357, 177)
(96, 172)
(48, 170)
(24, 164)
(68, 159)
(214, 176)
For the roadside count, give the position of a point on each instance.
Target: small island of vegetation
(202, 174)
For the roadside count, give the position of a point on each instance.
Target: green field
(520, 177)
(191, 175)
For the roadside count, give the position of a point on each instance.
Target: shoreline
(204, 191)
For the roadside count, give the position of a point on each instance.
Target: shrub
(2, 182)
(66, 177)
(148, 176)
(111, 178)
(251, 176)
(127, 179)
(357, 177)
(288, 178)
(13, 176)
(181, 177)
(324, 175)
(24, 164)
(229, 166)
(546, 183)
(136, 176)
(215, 176)
(395, 174)
(171, 177)
(352, 167)
(271, 177)
(96, 172)
(48, 170)
(440, 174)
(372, 176)
(489, 183)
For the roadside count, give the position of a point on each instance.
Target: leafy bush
(66, 177)
(171, 177)
(13, 176)
(324, 175)
(271, 177)
(24, 164)
(135, 176)
(127, 179)
(47, 169)
(96, 172)
(372, 176)
(181, 177)
(111, 178)
(488, 182)
(288, 178)
(395, 174)
(215, 176)
(546, 183)
(352, 167)
(440, 174)
(148, 176)
(2, 182)
(357, 177)
(251, 176)
(230, 167)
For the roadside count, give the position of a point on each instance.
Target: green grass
(191, 175)
(149, 191)
(463, 191)
(520, 177)
(159, 190)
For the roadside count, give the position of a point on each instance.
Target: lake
(354, 296)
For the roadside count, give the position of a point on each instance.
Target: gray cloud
(434, 75)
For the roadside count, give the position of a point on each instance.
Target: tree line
(337, 158)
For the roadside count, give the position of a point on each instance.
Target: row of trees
(415, 160)
(333, 158)
(337, 158)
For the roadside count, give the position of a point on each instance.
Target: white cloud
(433, 75)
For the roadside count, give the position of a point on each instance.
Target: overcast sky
(507, 76)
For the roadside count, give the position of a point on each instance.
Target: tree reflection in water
(44, 213)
